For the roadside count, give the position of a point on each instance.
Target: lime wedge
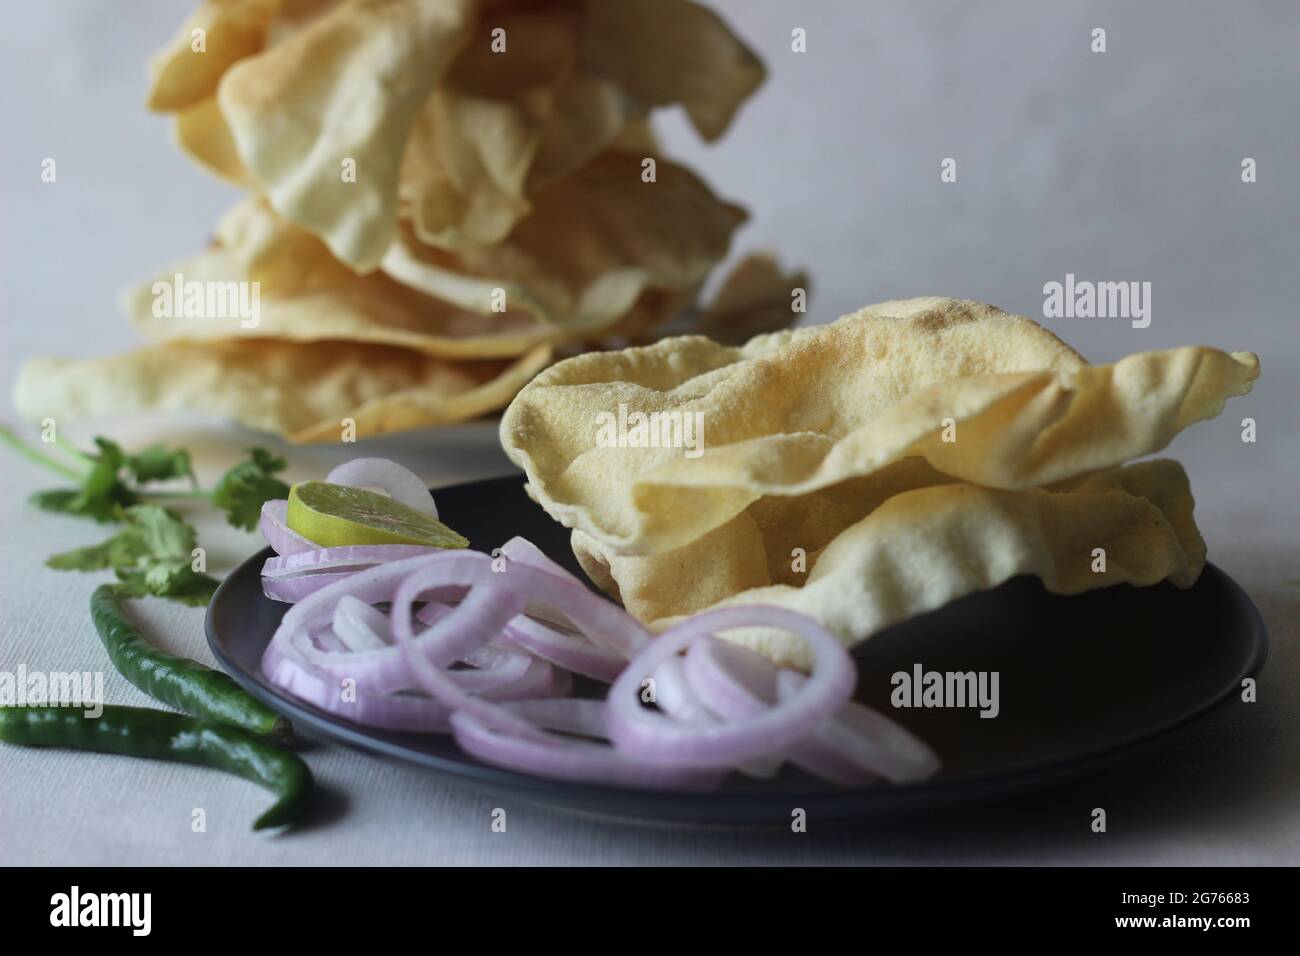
(337, 515)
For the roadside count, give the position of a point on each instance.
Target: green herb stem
(68, 448)
(32, 454)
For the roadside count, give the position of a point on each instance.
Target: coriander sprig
(153, 553)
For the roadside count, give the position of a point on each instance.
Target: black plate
(1081, 680)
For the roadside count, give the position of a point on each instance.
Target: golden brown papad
(302, 391)
(913, 551)
(872, 469)
(754, 298)
(445, 128)
(794, 412)
(346, 90)
(228, 31)
(594, 242)
(306, 295)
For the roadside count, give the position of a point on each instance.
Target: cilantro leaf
(161, 532)
(179, 583)
(242, 491)
(104, 490)
(150, 555)
(160, 463)
(102, 495)
(120, 550)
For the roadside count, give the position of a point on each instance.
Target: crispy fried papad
(302, 391)
(503, 123)
(306, 295)
(755, 297)
(876, 555)
(672, 51)
(343, 93)
(446, 127)
(593, 243)
(216, 36)
(982, 396)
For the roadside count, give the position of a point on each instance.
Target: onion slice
(720, 706)
(386, 711)
(855, 747)
(385, 669)
(275, 529)
(359, 626)
(292, 590)
(346, 557)
(400, 483)
(869, 739)
(676, 698)
(738, 683)
(654, 738)
(512, 586)
(570, 651)
(569, 758)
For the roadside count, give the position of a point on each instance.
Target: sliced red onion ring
(400, 483)
(346, 558)
(738, 683)
(869, 739)
(525, 552)
(568, 758)
(547, 640)
(490, 656)
(451, 638)
(294, 589)
(675, 697)
(275, 529)
(516, 580)
(386, 711)
(286, 664)
(537, 679)
(855, 747)
(569, 651)
(645, 735)
(371, 586)
(385, 670)
(725, 706)
(513, 677)
(359, 626)
(376, 584)
(606, 634)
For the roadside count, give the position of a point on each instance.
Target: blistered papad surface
(982, 396)
(908, 540)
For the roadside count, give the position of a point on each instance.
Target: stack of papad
(871, 469)
(442, 196)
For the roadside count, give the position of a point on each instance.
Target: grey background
(1123, 165)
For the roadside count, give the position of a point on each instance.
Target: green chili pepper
(144, 732)
(184, 684)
